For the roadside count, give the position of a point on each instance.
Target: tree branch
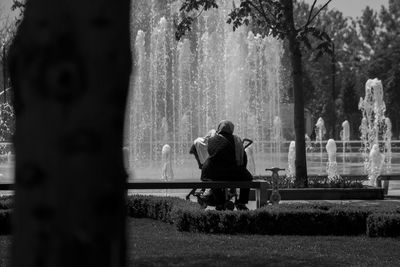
(309, 15)
(258, 10)
(263, 10)
(201, 11)
(316, 14)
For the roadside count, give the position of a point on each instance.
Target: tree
(368, 28)
(274, 18)
(19, 5)
(382, 61)
(70, 65)
(7, 33)
(329, 75)
(7, 122)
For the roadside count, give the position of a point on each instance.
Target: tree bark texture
(297, 75)
(70, 66)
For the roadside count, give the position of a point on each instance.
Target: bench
(260, 186)
(386, 178)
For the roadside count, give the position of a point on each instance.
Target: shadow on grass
(153, 243)
(226, 260)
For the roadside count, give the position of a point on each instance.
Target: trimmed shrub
(383, 225)
(6, 202)
(165, 209)
(285, 219)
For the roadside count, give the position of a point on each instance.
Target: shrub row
(274, 221)
(285, 219)
(383, 225)
(6, 202)
(165, 209)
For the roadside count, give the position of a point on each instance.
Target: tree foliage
(19, 5)
(7, 122)
(267, 16)
(384, 61)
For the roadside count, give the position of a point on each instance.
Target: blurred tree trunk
(70, 66)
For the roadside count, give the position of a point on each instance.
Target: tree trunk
(70, 66)
(297, 75)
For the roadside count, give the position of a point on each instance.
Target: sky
(352, 8)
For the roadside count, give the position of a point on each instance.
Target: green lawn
(153, 243)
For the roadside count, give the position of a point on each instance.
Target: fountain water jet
(291, 170)
(331, 165)
(364, 148)
(212, 74)
(277, 137)
(376, 161)
(167, 173)
(374, 125)
(320, 132)
(345, 136)
(308, 143)
(251, 164)
(387, 137)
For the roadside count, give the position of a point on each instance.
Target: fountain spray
(320, 132)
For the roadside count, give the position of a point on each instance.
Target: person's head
(226, 127)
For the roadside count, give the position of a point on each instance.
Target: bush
(6, 202)
(383, 225)
(159, 208)
(316, 182)
(284, 219)
(273, 221)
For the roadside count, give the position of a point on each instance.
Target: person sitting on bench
(227, 161)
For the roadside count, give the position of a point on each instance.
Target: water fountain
(320, 132)
(277, 140)
(376, 162)
(387, 137)
(309, 146)
(364, 143)
(167, 173)
(345, 137)
(291, 170)
(331, 165)
(374, 125)
(251, 164)
(182, 89)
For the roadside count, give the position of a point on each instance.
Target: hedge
(274, 221)
(284, 219)
(383, 225)
(6, 202)
(159, 208)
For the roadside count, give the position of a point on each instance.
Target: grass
(153, 243)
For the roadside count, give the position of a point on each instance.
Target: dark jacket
(221, 165)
